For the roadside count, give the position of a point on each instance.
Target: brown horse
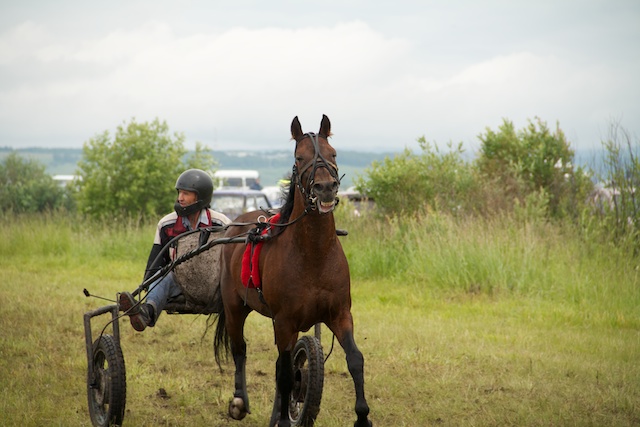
(304, 277)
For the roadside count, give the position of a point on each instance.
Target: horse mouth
(326, 207)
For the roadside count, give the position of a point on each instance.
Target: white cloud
(241, 82)
(21, 42)
(204, 78)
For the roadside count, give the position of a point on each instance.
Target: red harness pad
(250, 274)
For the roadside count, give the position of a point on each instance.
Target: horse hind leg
(239, 405)
(355, 363)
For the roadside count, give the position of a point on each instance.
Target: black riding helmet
(199, 182)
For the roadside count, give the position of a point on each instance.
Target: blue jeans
(159, 293)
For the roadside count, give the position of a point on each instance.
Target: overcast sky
(233, 74)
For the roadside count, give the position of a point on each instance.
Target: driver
(191, 211)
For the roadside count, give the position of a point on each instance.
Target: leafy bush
(410, 184)
(133, 174)
(26, 187)
(533, 163)
(528, 172)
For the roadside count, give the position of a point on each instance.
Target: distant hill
(61, 161)
(272, 165)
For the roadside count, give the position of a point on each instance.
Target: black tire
(308, 381)
(106, 383)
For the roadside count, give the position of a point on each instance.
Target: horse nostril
(318, 187)
(324, 187)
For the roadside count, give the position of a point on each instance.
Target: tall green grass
(67, 241)
(477, 322)
(439, 253)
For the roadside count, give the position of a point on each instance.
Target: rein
(263, 221)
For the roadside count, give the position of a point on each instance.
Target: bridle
(296, 179)
(318, 162)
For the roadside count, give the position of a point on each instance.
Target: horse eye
(299, 159)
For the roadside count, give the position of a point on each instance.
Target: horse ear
(325, 127)
(296, 129)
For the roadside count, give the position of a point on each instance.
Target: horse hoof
(237, 408)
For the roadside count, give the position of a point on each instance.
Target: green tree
(410, 183)
(201, 159)
(132, 175)
(26, 187)
(532, 163)
(391, 183)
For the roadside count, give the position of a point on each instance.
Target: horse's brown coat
(304, 272)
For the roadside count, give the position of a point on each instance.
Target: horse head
(315, 172)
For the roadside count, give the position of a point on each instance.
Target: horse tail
(221, 344)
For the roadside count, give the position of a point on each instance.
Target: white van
(64, 180)
(236, 178)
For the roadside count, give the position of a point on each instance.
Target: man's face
(186, 198)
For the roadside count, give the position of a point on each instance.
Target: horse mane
(287, 207)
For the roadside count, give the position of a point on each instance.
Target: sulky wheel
(308, 377)
(308, 380)
(106, 383)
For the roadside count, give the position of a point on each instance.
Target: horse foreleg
(355, 363)
(284, 382)
(285, 340)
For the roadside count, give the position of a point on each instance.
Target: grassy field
(477, 323)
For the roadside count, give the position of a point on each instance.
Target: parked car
(234, 202)
(237, 179)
